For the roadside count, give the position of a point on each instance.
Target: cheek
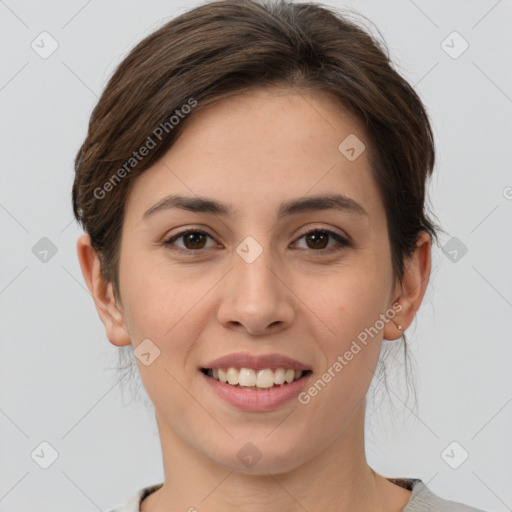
(350, 299)
(351, 306)
(164, 303)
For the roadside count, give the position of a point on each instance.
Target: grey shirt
(422, 499)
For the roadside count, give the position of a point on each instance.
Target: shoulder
(133, 504)
(424, 500)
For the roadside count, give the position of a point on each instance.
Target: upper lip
(256, 362)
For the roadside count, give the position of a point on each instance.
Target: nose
(256, 297)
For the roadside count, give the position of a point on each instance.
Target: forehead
(260, 148)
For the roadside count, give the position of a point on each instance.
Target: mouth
(256, 379)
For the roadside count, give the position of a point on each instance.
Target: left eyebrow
(206, 205)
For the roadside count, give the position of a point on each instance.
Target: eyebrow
(206, 205)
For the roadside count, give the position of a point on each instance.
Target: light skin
(253, 152)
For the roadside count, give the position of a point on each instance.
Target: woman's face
(249, 282)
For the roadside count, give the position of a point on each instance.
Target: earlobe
(102, 293)
(412, 289)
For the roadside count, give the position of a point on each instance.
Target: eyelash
(341, 241)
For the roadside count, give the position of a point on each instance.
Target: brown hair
(227, 47)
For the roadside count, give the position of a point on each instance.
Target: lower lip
(258, 400)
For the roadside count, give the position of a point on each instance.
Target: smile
(248, 378)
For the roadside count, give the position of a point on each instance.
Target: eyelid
(342, 239)
(323, 228)
(168, 240)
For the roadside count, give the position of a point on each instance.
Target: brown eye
(192, 239)
(318, 239)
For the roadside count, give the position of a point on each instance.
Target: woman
(252, 187)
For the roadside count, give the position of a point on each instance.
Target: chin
(260, 458)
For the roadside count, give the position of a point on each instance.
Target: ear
(102, 293)
(409, 293)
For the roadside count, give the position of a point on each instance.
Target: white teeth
(265, 378)
(233, 377)
(279, 376)
(247, 377)
(289, 375)
(223, 377)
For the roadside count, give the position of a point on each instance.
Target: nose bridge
(253, 264)
(256, 297)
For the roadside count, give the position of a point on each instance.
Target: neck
(337, 479)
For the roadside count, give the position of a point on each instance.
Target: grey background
(57, 369)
